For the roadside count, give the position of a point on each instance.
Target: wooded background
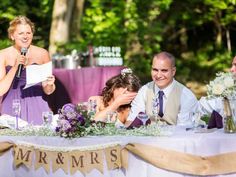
(200, 33)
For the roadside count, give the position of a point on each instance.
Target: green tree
(39, 11)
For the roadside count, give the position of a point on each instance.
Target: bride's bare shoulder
(96, 98)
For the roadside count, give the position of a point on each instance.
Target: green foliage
(188, 29)
(4, 43)
(39, 11)
(102, 22)
(197, 32)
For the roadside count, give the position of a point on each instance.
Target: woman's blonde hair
(17, 21)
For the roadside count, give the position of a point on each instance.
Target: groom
(175, 101)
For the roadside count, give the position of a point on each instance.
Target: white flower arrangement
(224, 85)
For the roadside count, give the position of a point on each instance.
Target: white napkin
(206, 106)
(9, 121)
(54, 121)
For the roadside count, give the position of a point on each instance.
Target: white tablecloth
(204, 144)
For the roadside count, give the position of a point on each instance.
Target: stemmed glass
(92, 106)
(47, 117)
(143, 117)
(196, 122)
(155, 108)
(111, 117)
(16, 108)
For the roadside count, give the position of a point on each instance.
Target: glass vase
(229, 124)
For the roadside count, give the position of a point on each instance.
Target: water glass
(111, 117)
(232, 102)
(16, 109)
(92, 105)
(196, 122)
(155, 108)
(196, 119)
(47, 117)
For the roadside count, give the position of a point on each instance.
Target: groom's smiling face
(162, 72)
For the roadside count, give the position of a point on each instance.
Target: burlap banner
(86, 160)
(69, 161)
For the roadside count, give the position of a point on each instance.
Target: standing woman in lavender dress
(32, 101)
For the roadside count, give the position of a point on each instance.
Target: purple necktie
(160, 98)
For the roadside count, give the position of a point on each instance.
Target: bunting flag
(78, 162)
(42, 159)
(94, 160)
(113, 157)
(59, 160)
(23, 155)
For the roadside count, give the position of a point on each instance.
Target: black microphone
(23, 51)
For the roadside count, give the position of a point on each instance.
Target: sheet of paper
(37, 73)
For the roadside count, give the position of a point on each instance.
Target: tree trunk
(60, 27)
(219, 37)
(228, 40)
(76, 18)
(216, 20)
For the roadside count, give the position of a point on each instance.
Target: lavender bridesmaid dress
(32, 100)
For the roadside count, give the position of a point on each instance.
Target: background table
(204, 144)
(77, 85)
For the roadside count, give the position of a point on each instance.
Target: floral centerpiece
(73, 120)
(224, 85)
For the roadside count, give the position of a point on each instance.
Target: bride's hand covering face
(122, 96)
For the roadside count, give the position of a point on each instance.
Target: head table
(202, 144)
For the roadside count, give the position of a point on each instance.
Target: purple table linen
(82, 83)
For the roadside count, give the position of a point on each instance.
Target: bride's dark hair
(125, 80)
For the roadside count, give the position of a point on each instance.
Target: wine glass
(195, 118)
(143, 117)
(16, 108)
(47, 117)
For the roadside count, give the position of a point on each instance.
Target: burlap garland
(5, 146)
(184, 162)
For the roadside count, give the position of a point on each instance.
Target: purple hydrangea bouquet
(73, 121)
